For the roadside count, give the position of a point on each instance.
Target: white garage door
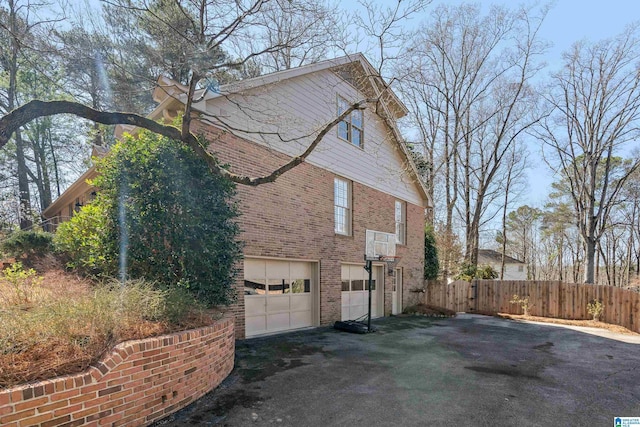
(277, 295)
(355, 292)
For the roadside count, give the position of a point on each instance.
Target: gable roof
(169, 88)
(489, 255)
(170, 94)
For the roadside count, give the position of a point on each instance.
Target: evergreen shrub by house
(171, 217)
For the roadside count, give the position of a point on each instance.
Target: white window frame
(352, 128)
(400, 216)
(342, 207)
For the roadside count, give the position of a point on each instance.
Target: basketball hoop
(391, 261)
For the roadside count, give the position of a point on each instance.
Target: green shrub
(84, 240)
(468, 272)
(170, 216)
(486, 272)
(19, 287)
(29, 243)
(595, 309)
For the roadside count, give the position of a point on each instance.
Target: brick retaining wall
(136, 384)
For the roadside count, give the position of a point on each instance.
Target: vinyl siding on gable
(297, 109)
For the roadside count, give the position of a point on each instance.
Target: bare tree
(307, 31)
(513, 176)
(208, 42)
(470, 77)
(386, 31)
(596, 101)
(522, 225)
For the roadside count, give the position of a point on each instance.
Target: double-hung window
(401, 222)
(352, 127)
(342, 206)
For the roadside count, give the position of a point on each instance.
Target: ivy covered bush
(160, 215)
(431, 263)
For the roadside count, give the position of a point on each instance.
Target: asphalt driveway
(466, 371)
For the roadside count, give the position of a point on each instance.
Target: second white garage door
(278, 295)
(355, 292)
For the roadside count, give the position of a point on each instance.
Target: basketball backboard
(379, 243)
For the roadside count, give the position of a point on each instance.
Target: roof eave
(66, 197)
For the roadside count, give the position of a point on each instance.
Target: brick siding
(293, 219)
(135, 384)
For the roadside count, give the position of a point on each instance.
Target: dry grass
(59, 323)
(589, 323)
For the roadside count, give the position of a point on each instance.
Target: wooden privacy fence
(546, 299)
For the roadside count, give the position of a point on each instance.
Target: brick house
(304, 234)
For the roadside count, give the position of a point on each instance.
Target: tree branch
(32, 110)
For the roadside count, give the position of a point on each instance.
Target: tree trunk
(24, 195)
(590, 252)
(504, 229)
(560, 256)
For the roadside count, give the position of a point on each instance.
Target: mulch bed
(429, 311)
(588, 323)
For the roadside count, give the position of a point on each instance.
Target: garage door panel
(346, 299)
(301, 302)
(255, 324)
(278, 269)
(254, 269)
(301, 319)
(278, 322)
(356, 298)
(278, 295)
(301, 270)
(357, 311)
(255, 304)
(356, 271)
(277, 303)
(344, 270)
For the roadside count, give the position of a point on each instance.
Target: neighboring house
(77, 195)
(513, 269)
(304, 235)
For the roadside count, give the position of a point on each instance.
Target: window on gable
(351, 128)
(401, 222)
(342, 206)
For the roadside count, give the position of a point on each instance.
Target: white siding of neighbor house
(293, 107)
(510, 270)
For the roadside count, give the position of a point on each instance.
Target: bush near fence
(547, 299)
